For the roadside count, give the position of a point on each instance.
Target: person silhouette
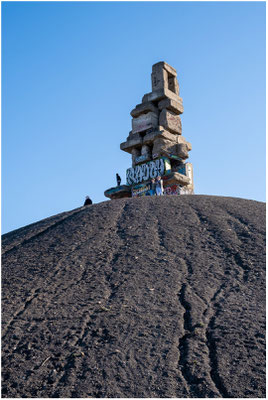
(118, 180)
(88, 201)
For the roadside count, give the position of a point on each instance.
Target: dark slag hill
(148, 297)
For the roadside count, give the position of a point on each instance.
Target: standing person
(118, 180)
(159, 186)
(152, 187)
(88, 201)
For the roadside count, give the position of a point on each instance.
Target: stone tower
(155, 142)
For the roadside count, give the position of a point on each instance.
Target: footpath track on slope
(146, 297)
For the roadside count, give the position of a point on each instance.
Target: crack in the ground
(191, 380)
(211, 342)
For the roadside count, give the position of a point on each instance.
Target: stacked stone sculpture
(156, 142)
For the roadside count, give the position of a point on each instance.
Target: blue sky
(73, 71)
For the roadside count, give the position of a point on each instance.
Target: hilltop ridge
(137, 297)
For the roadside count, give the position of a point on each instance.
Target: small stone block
(172, 105)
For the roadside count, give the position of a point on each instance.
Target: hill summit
(138, 297)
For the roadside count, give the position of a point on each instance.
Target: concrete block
(150, 137)
(176, 178)
(131, 143)
(189, 173)
(159, 78)
(164, 76)
(135, 153)
(118, 192)
(144, 122)
(160, 94)
(170, 121)
(144, 108)
(181, 139)
(182, 151)
(166, 147)
(172, 105)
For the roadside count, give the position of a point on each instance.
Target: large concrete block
(182, 151)
(118, 192)
(182, 140)
(164, 76)
(166, 147)
(159, 78)
(144, 122)
(150, 137)
(144, 108)
(160, 94)
(133, 141)
(172, 105)
(176, 178)
(170, 121)
(162, 145)
(135, 153)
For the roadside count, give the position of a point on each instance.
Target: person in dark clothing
(152, 187)
(88, 201)
(118, 180)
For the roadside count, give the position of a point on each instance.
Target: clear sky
(73, 71)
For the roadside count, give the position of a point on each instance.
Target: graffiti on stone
(173, 190)
(150, 170)
(182, 169)
(140, 190)
(141, 158)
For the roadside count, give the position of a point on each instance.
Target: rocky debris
(151, 297)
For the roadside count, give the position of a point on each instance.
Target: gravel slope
(144, 297)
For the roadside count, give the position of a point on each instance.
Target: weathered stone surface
(151, 136)
(160, 94)
(144, 108)
(159, 77)
(168, 148)
(144, 122)
(131, 143)
(141, 159)
(172, 105)
(161, 144)
(164, 76)
(170, 121)
(135, 153)
(176, 177)
(189, 173)
(182, 151)
(182, 140)
(156, 129)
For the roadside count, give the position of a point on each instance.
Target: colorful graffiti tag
(146, 171)
(140, 190)
(173, 190)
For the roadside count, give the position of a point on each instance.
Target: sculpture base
(118, 192)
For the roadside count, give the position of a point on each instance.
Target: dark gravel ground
(144, 297)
